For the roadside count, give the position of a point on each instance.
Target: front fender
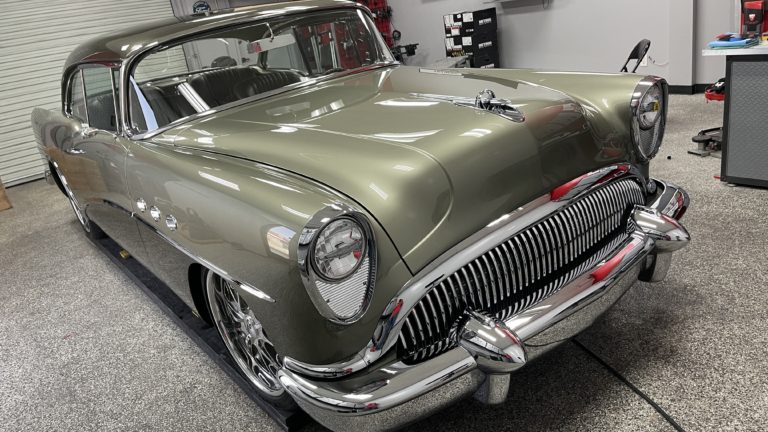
(604, 97)
(244, 219)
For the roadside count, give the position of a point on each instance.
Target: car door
(93, 160)
(153, 177)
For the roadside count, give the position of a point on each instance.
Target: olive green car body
(426, 172)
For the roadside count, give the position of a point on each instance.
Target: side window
(76, 106)
(166, 63)
(99, 98)
(287, 57)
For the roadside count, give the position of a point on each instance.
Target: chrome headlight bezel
(647, 136)
(331, 296)
(313, 251)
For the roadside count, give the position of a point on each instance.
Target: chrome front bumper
(389, 393)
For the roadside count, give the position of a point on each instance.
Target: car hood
(429, 171)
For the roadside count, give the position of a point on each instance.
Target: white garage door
(36, 36)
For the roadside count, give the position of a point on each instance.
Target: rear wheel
(245, 339)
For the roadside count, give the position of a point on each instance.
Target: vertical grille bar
(522, 270)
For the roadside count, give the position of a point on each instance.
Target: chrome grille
(524, 269)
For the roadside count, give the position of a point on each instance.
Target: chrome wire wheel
(243, 335)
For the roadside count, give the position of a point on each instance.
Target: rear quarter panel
(53, 131)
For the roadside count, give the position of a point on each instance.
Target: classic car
(372, 241)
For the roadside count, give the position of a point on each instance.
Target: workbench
(745, 120)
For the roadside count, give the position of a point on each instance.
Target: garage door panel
(68, 14)
(37, 37)
(41, 53)
(9, 96)
(14, 122)
(82, 8)
(25, 104)
(24, 170)
(13, 139)
(102, 26)
(35, 64)
(12, 158)
(12, 81)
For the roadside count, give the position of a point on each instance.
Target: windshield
(223, 67)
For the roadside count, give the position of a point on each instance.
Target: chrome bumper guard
(390, 393)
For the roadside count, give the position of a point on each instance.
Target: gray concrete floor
(82, 348)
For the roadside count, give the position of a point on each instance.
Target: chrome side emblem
(141, 205)
(155, 213)
(170, 221)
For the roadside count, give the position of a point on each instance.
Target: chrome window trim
(387, 332)
(193, 98)
(67, 106)
(115, 103)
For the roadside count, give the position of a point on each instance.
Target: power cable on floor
(631, 386)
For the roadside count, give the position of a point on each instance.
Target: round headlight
(339, 249)
(649, 114)
(649, 110)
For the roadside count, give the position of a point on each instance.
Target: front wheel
(245, 339)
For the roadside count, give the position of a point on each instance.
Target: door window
(287, 57)
(100, 98)
(77, 98)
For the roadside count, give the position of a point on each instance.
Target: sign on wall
(201, 7)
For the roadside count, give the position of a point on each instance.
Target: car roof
(119, 46)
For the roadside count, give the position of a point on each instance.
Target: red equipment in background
(382, 17)
(716, 92)
(753, 22)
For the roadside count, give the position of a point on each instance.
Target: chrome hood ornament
(485, 100)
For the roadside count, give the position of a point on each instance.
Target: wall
(712, 18)
(185, 7)
(591, 35)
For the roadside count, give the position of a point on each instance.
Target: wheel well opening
(56, 178)
(196, 273)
